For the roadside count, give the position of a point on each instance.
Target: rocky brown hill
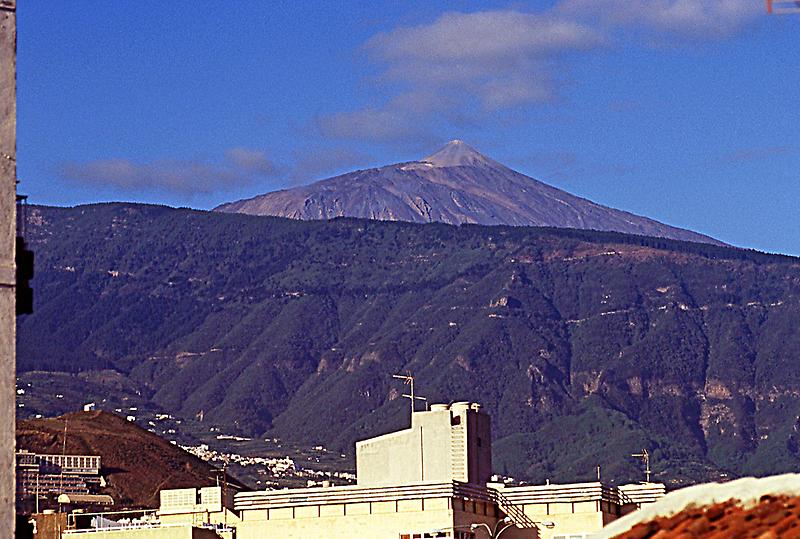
(455, 185)
(136, 464)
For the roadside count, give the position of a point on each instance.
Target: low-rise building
(39, 475)
(187, 513)
(429, 510)
(207, 506)
(430, 481)
(446, 443)
(426, 482)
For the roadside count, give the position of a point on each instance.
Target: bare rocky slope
(136, 463)
(456, 185)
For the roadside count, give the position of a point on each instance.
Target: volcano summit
(455, 185)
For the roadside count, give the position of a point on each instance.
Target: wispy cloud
(757, 154)
(384, 124)
(567, 165)
(465, 68)
(240, 167)
(695, 19)
(312, 164)
(252, 161)
(500, 56)
(481, 62)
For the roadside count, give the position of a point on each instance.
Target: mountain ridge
(455, 185)
(584, 346)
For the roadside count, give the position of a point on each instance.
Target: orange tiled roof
(773, 517)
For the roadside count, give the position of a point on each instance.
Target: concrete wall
(391, 518)
(165, 532)
(8, 176)
(569, 518)
(226, 517)
(479, 447)
(392, 459)
(421, 453)
(386, 521)
(376, 520)
(442, 445)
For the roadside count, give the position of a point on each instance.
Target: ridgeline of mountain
(136, 464)
(455, 185)
(584, 346)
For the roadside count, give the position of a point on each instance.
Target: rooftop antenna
(645, 456)
(426, 402)
(225, 491)
(782, 7)
(409, 381)
(63, 457)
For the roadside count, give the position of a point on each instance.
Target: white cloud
(254, 161)
(241, 167)
(475, 38)
(695, 19)
(461, 65)
(490, 53)
(384, 124)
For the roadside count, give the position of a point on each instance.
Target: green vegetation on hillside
(584, 346)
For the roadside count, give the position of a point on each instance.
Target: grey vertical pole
(8, 233)
(421, 455)
(412, 397)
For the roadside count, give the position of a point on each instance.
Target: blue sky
(680, 110)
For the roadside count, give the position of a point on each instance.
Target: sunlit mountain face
(455, 185)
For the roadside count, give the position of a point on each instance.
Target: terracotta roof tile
(773, 517)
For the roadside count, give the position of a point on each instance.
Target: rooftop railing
(356, 494)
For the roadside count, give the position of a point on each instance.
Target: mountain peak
(458, 153)
(455, 185)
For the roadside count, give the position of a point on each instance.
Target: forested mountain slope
(584, 346)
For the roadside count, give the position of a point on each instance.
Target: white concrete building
(447, 443)
(427, 481)
(430, 481)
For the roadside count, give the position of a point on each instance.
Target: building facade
(414, 511)
(432, 510)
(448, 443)
(189, 513)
(431, 481)
(39, 475)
